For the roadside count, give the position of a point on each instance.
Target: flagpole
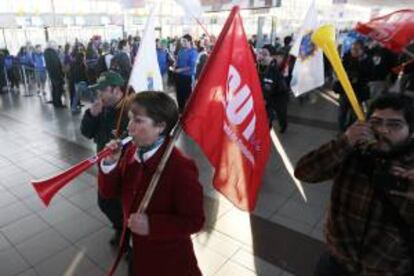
(408, 53)
(167, 153)
(203, 27)
(120, 115)
(176, 132)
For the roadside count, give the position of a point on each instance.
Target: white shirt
(106, 169)
(108, 59)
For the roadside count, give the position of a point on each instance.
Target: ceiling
(384, 3)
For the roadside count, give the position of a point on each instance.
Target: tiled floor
(70, 237)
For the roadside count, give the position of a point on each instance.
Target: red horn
(47, 188)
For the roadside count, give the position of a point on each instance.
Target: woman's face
(142, 128)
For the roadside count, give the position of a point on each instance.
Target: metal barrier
(27, 74)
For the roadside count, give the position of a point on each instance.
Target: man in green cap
(99, 123)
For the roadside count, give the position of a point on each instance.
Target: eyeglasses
(392, 124)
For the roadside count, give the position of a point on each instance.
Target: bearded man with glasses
(370, 222)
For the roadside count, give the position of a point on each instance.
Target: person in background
(104, 60)
(383, 61)
(39, 70)
(26, 66)
(277, 44)
(67, 58)
(202, 48)
(185, 70)
(358, 67)
(92, 56)
(99, 123)
(121, 62)
(3, 80)
(77, 76)
(56, 75)
(275, 90)
(12, 70)
(134, 47)
(286, 66)
(164, 60)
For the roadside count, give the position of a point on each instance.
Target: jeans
(183, 85)
(80, 89)
(57, 92)
(40, 77)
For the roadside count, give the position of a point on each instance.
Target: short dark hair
(159, 107)
(287, 40)
(270, 48)
(122, 44)
(395, 102)
(188, 37)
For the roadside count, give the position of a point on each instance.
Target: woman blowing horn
(161, 236)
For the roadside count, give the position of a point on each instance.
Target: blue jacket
(26, 60)
(187, 57)
(162, 56)
(39, 62)
(8, 62)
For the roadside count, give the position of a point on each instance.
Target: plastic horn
(324, 38)
(47, 188)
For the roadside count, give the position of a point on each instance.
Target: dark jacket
(53, 65)
(273, 84)
(359, 73)
(77, 72)
(383, 61)
(202, 59)
(101, 127)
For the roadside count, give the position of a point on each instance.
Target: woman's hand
(139, 224)
(116, 148)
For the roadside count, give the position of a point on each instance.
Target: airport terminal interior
(40, 135)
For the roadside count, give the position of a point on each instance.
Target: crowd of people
(370, 224)
(74, 67)
(372, 70)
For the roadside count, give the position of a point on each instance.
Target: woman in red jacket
(161, 236)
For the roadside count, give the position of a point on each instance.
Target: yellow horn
(324, 38)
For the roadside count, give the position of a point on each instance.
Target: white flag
(191, 7)
(146, 73)
(308, 71)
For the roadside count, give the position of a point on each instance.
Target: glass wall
(84, 18)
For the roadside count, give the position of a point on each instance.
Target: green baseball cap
(106, 79)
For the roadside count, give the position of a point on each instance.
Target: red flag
(395, 30)
(226, 116)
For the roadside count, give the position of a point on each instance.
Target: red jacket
(175, 211)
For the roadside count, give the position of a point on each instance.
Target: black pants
(277, 109)
(183, 89)
(57, 91)
(112, 208)
(328, 266)
(72, 91)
